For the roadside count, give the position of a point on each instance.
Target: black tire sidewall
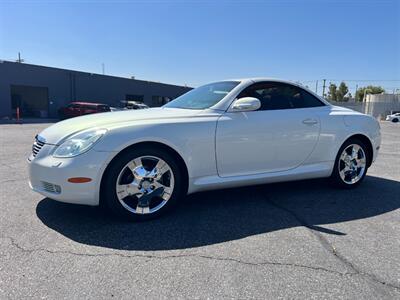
(108, 190)
(335, 177)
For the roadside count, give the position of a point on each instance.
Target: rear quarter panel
(337, 125)
(366, 125)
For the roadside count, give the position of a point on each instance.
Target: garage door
(32, 101)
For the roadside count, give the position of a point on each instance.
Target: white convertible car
(138, 164)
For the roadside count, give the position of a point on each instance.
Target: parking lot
(290, 240)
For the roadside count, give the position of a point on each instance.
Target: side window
(308, 100)
(75, 106)
(89, 107)
(102, 108)
(275, 95)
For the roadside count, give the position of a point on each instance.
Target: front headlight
(79, 143)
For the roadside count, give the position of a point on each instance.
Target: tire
(395, 120)
(347, 182)
(132, 203)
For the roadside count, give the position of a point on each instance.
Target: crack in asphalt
(228, 259)
(14, 180)
(331, 249)
(6, 165)
(324, 242)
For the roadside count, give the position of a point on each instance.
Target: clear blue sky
(195, 42)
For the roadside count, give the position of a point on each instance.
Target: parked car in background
(113, 108)
(129, 105)
(133, 105)
(393, 117)
(75, 109)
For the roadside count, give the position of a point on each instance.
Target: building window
(160, 100)
(137, 98)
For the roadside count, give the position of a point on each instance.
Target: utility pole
(19, 60)
(323, 88)
(102, 67)
(316, 87)
(355, 93)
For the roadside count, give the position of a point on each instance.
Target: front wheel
(143, 184)
(350, 164)
(395, 120)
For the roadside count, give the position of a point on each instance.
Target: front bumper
(49, 175)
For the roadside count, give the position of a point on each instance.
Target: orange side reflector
(79, 179)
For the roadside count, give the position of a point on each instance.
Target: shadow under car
(225, 215)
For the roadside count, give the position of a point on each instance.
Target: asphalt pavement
(302, 239)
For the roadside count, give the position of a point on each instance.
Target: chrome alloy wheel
(352, 164)
(145, 185)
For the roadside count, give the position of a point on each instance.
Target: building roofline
(90, 73)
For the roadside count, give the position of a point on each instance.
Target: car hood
(59, 131)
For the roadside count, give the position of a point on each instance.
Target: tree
(341, 92)
(371, 89)
(332, 91)
(348, 97)
(338, 93)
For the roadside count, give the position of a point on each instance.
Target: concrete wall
(382, 104)
(379, 105)
(357, 106)
(65, 86)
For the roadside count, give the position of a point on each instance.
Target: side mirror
(246, 104)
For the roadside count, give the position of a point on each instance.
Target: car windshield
(204, 96)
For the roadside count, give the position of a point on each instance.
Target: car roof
(259, 79)
(87, 103)
(244, 82)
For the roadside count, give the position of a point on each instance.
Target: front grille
(37, 145)
(50, 187)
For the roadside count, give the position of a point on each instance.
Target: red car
(75, 109)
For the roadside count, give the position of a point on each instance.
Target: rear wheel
(143, 184)
(351, 164)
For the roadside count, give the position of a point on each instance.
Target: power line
(362, 80)
(365, 80)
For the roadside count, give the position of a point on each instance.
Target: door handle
(310, 121)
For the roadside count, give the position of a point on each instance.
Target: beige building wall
(379, 105)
